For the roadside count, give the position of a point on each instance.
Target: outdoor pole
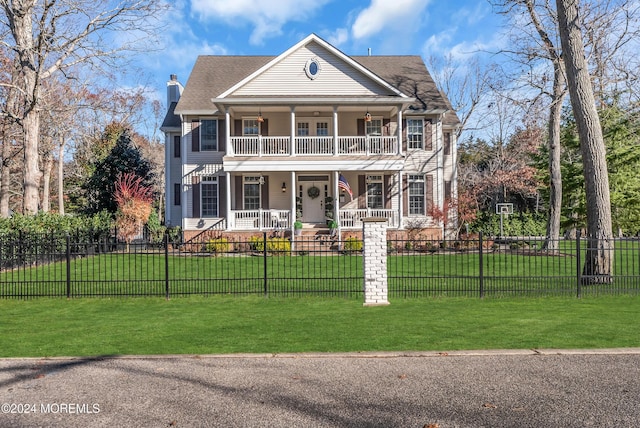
(264, 257)
(166, 265)
(481, 270)
(68, 257)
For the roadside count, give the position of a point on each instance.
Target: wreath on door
(313, 192)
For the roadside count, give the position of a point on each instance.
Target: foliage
(517, 224)
(218, 246)
(134, 205)
(276, 246)
(42, 222)
(124, 158)
(155, 228)
(621, 130)
(352, 245)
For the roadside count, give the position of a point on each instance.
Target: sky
(270, 27)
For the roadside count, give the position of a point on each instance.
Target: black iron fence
(57, 265)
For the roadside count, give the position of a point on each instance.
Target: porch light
(367, 117)
(284, 187)
(260, 118)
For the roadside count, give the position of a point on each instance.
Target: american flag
(344, 185)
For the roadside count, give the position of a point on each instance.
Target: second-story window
(209, 135)
(415, 133)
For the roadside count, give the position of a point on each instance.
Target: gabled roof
(215, 77)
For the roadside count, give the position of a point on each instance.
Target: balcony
(314, 146)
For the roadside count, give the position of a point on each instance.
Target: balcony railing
(314, 146)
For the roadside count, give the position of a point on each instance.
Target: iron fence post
(166, 266)
(578, 266)
(264, 257)
(68, 257)
(481, 271)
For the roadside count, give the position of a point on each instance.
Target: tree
(124, 158)
(598, 267)
(51, 36)
(134, 205)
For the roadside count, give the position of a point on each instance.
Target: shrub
(274, 245)
(352, 244)
(218, 246)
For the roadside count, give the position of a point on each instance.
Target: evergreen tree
(123, 158)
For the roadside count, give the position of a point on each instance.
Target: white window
(209, 196)
(322, 129)
(251, 192)
(374, 127)
(374, 192)
(303, 129)
(416, 194)
(209, 135)
(415, 133)
(250, 127)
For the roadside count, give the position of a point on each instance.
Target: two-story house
(254, 143)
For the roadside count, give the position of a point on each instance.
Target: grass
(220, 324)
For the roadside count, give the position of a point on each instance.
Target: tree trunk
(32, 173)
(61, 176)
(555, 174)
(598, 267)
(5, 177)
(46, 182)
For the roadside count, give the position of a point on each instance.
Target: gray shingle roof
(213, 75)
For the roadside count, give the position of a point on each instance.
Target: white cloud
(384, 14)
(266, 16)
(338, 37)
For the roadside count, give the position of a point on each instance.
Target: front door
(312, 191)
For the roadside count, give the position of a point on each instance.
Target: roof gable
(338, 74)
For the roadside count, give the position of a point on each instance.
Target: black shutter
(239, 204)
(176, 146)
(237, 127)
(264, 128)
(222, 196)
(265, 193)
(428, 143)
(405, 195)
(404, 135)
(222, 136)
(429, 193)
(387, 192)
(386, 127)
(195, 135)
(195, 181)
(177, 194)
(447, 143)
(362, 192)
(361, 128)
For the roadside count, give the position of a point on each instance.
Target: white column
(400, 201)
(293, 131)
(374, 249)
(335, 131)
(227, 132)
(400, 130)
(230, 221)
(293, 218)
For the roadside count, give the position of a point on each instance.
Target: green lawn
(221, 324)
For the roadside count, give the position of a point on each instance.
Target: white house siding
(288, 77)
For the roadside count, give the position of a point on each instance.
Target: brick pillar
(374, 233)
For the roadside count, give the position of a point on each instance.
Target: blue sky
(269, 27)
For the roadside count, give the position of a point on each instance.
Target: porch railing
(261, 219)
(281, 146)
(352, 219)
(368, 145)
(261, 146)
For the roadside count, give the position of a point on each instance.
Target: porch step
(317, 239)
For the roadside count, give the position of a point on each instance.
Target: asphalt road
(457, 389)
